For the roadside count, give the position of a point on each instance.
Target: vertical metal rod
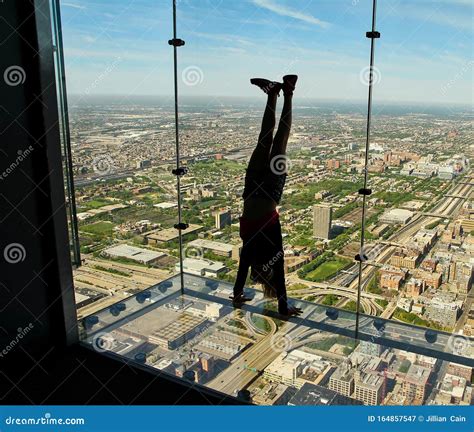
(366, 167)
(178, 161)
(63, 105)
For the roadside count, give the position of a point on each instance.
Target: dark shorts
(264, 184)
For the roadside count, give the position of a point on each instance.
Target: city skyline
(423, 54)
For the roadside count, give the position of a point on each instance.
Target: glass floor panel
(253, 354)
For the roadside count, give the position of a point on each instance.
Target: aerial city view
(419, 231)
(417, 261)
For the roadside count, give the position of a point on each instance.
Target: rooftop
(134, 253)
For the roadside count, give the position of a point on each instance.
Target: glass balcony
(253, 354)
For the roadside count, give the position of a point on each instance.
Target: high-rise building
(368, 388)
(342, 380)
(144, 164)
(333, 164)
(370, 348)
(223, 218)
(322, 220)
(207, 362)
(414, 385)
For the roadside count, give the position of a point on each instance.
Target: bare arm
(242, 272)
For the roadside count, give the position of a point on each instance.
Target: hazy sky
(121, 47)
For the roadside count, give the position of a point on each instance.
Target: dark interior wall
(36, 291)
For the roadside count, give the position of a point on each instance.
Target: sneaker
(289, 84)
(267, 86)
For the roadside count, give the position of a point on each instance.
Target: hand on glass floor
(294, 311)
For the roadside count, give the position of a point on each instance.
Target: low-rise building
(210, 311)
(224, 345)
(404, 258)
(455, 390)
(405, 304)
(161, 237)
(296, 368)
(173, 335)
(429, 265)
(460, 370)
(273, 394)
(423, 240)
(396, 216)
(202, 267)
(415, 287)
(392, 277)
(315, 395)
(218, 248)
(432, 280)
(132, 253)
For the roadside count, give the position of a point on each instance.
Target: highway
(237, 376)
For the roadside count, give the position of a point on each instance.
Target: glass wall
(121, 133)
(418, 221)
(375, 215)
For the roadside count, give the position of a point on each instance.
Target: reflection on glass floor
(255, 355)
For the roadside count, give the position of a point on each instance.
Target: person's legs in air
(284, 127)
(260, 155)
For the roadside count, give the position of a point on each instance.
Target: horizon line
(358, 101)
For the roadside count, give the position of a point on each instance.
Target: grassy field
(328, 269)
(382, 303)
(261, 323)
(112, 270)
(99, 228)
(326, 344)
(95, 204)
(412, 318)
(350, 306)
(330, 299)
